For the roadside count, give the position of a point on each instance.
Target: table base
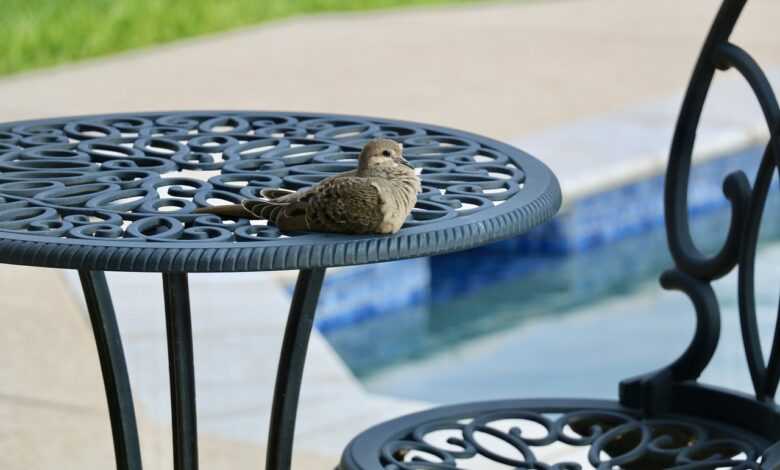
(182, 374)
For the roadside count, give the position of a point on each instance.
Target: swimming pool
(570, 326)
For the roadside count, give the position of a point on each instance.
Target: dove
(375, 198)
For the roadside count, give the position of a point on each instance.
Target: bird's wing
(282, 195)
(344, 204)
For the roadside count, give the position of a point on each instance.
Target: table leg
(290, 371)
(181, 371)
(114, 369)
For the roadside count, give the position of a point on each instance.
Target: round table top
(117, 192)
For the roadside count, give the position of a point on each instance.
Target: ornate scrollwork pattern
(140, 177)
(747, 203)
(533, 437)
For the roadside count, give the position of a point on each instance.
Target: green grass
(39, 33)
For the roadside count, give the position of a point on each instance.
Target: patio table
(118, 193)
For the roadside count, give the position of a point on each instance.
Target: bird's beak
(406, 163)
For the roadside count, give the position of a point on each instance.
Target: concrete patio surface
(52, 404)
(507, 70)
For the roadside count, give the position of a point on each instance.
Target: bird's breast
(398, 203)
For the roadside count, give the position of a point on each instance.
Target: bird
(374, 198)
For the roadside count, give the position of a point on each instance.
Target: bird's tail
(231, 210)
(268, 207)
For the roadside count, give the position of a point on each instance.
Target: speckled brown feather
(375, 198)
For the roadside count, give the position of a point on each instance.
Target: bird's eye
(386, 153)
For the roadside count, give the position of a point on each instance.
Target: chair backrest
(674, 388)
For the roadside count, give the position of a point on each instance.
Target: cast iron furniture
(117, 193)
(664, 419)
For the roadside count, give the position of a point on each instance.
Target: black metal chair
(666, 418)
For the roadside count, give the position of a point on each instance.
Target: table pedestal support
(290, 370)
(114, 369)
(181, 369)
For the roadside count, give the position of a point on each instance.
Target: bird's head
(382, 152)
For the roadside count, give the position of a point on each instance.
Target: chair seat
(552, 434)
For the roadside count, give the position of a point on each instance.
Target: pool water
(586, 351)
(571, 327)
